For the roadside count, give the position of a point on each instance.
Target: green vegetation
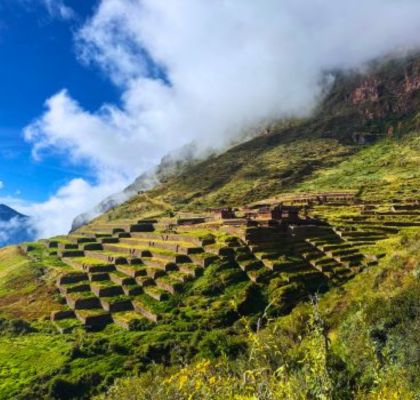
(284, 164)
(309, 353)
(382, 170)
(331, 315)
(360, 341)
(26, 285)
(23, 358)
(231, 179)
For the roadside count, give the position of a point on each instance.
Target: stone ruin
(223, 213)
(124, 271)
(288, 214)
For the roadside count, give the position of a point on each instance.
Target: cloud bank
(203, 71)
(55, 215)
(16, 230)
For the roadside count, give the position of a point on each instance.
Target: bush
(15, 327)
(62, 389)
(218, 342)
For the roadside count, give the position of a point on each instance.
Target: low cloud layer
(15, 231)
(198, 70)
(55, 215)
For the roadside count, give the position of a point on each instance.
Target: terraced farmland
(129, 271)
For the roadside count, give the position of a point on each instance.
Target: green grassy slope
(25, 358)
(388, 168)
(360, 341)
(26, 286)
(271, 166)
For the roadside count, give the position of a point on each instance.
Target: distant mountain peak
(7, 213)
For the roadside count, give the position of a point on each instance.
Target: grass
(26, 287)
(25, 358)
(378, 171)
(68, 324)
(359, 341)
(231, 179)
(116, 299)
(91, 261)
(127, 317)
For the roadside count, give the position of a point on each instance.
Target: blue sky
(37, 59)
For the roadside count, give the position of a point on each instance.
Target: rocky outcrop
(383, 96)
(389, 89)
(368, 91)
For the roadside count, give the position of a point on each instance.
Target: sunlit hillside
(284, 268)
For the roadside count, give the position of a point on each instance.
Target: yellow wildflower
(182, 381)
(198, 385)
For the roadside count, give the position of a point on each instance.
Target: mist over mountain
(171, 164)
(180, 80)
(14, 227)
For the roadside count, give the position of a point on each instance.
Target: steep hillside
(307, 289)
(360, 110)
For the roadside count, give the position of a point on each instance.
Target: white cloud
(15, 230)
(106, 140)
(231, 64)
(55, 215)
(58, 9)
(1, 185)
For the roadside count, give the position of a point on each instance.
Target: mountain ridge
(7, 213)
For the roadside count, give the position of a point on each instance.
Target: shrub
(15, 327)
(62, 389)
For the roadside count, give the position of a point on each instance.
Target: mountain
(14, 227)
(310, 291)
(360, 109)
(7, 213)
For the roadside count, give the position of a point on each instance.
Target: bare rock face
(412, 81)
(379, 95)
(368, 91)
